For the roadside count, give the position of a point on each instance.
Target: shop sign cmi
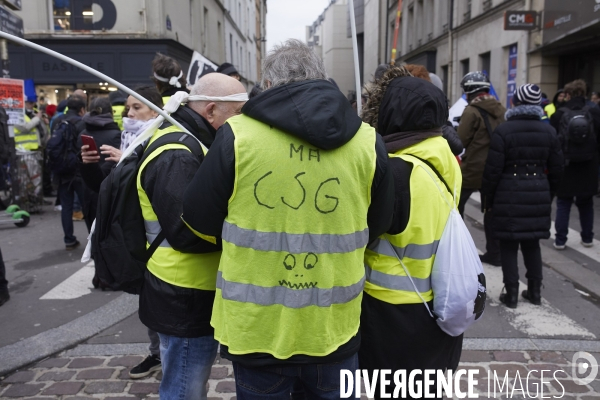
(520, 20)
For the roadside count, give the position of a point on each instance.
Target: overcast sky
(288, 19)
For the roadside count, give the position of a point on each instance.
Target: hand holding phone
(85, 139)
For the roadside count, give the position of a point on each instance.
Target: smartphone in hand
(85, 139)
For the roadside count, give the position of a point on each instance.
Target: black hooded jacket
(165, 308)
(314, 111)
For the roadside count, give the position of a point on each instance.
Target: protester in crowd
(118, 98)
(51, 110)
(69, 182)
(448, 131)
(60, 110)
(96, 167)
(295, 209)
(179, 287)
(595, 98)
(4, 295)
(167, 76)
(31, 134)
(229, 70)
(578, 127)
(409, 113)
(558, 101)
(479, 119)
(100, 125)
(522, 173)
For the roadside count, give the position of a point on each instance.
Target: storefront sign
(11, 23)
(50, 69)
(520, 20)
(12, 99)
(562, 17)
(511, 81)
(13, 4)
(199, 66)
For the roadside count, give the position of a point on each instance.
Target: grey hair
(292, 61)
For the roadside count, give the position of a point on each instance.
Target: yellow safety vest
(118, 115)
(550, 109)
(417, 244)
(166, 99)
(291, 275)
(29, 140)
(194, 271)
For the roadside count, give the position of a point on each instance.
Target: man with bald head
(179, 286)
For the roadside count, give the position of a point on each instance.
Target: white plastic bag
(457, 279)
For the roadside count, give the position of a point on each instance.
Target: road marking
(536, 321)
(574, 242)
(77, 285)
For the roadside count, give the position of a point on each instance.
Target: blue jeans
(66, 194)
(585, 205)
(320, 381)
(186, 366)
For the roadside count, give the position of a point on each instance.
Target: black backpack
(62, 148)
(576, 131)
(119, 240)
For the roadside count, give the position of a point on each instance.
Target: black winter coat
(165, 308)
(521, 175)
(580, 179)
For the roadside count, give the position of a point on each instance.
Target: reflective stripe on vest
(288, 297)
(292, 271)
(153, 228)
(294, 243)
(189, 270)
(418, 243)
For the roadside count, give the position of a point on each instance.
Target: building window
(464, 66)
(467, 13)
(445, 78)
(62, 15)
(485, 63)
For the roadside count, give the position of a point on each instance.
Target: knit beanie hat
(227, 69)
(528, 94)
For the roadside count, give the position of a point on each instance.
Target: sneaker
(77, 216)
(485, 258)
(559, 246)
(586, 244)
(146, 367)
(4, 296)
(72, 246)
(58, 208)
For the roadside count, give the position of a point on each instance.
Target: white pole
(356, 65)
(92, 71)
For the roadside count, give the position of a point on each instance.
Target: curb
(573, 271)
(52, 341)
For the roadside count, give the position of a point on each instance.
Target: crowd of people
(302, 242)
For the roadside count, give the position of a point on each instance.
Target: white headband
(174, 81)
(231, 97)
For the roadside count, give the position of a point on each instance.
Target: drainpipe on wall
(528, 39)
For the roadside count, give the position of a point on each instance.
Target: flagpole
(356, 65)
(92, 71)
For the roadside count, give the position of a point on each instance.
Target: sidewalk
(73, 376)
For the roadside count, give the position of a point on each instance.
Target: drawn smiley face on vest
(291, 264)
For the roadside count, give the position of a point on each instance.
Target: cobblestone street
(74, 378)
